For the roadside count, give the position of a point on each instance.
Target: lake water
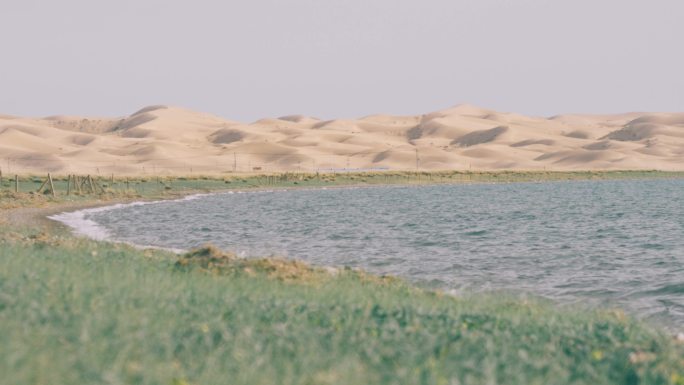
(615, 243)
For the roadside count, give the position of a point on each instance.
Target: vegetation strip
(31, 191)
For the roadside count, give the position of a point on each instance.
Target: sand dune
(171, 140)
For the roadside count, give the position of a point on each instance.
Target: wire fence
(119, 185)
(74, 184)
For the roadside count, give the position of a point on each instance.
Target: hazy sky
(340, 58)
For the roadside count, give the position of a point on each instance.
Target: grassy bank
(160, 187)
(75, 311)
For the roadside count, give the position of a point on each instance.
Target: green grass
(153, 185)
(81, 312)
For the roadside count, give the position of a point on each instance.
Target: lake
(613, 243)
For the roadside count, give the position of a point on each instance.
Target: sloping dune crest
(172, 140)
(480, 137)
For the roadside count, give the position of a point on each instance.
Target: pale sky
(250, 59)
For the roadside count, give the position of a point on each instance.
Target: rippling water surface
(612, 242)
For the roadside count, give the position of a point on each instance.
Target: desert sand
(170, 140)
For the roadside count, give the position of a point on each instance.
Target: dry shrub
(211, 259)
(10, 199)
(206, 257)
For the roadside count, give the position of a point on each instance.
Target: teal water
(615, 243)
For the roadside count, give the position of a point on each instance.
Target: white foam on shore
(80, 224)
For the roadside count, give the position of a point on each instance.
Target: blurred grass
(74, 311)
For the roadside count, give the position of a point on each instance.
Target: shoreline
(48, 217)
(78, 229)
(53, 213)
(55, 208)
(67, 218)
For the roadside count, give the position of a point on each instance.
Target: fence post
(52, 186)
(90, 184)
(43, 184)
(69, 185)
(97, 185)
(16, 183)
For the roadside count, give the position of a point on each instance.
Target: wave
(80, 224)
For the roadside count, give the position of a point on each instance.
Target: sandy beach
(162, 140)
